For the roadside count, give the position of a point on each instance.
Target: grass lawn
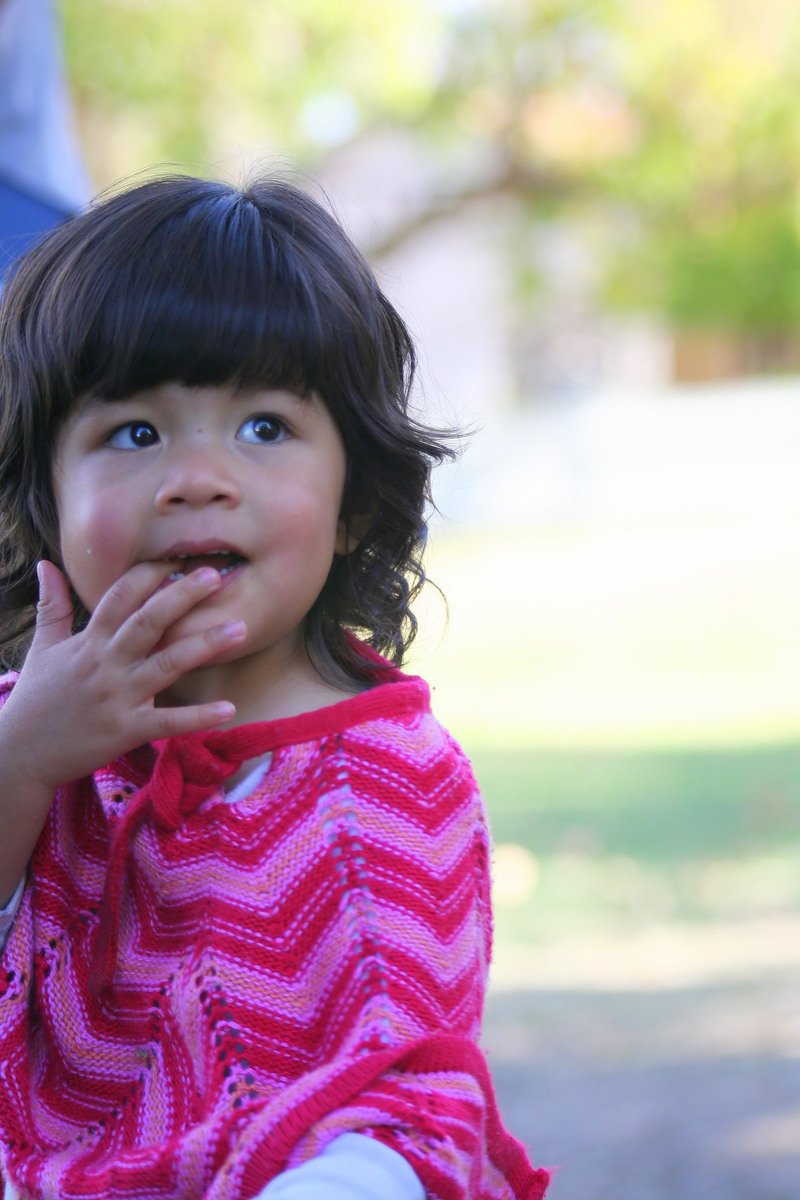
(591, 840)
(630, 697)
(662, 807)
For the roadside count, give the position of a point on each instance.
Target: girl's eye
(136, 435)
(261, 429)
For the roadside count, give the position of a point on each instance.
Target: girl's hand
(83, 699)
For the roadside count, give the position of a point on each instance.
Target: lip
(187, 549)
(178, 552)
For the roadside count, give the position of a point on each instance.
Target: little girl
(244, 870)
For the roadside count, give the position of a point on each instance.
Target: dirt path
(687, 1093)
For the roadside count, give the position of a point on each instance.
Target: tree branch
(513, 179)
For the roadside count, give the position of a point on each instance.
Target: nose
(197, 476)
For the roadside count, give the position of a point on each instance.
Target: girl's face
(251, 483)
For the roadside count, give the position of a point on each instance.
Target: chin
(233, 654)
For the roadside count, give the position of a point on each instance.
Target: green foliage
(200, 79)
(713, 178)
(742, 272)
(676, 117)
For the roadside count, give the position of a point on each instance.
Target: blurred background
(589, 213)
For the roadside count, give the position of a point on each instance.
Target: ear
(350, 532)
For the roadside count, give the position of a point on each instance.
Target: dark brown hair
(200, 283)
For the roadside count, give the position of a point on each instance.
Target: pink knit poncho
(198, 995)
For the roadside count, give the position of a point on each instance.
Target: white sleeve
(351, 1167)
(8, 914)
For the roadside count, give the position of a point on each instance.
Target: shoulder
(394, 719)
(404, 724)
(404, 750)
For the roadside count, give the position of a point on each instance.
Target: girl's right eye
(136, 435)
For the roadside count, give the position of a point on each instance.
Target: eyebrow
(91, 403)
(86, 405)
(288, 393)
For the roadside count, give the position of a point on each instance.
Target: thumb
(54, 610)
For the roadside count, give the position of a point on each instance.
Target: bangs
(211, 295)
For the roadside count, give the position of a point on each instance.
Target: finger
(126, 596)
(148, 624)
(54, 609)
(166, 666)
(169, 722)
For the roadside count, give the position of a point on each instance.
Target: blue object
(24, 219)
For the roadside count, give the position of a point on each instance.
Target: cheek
(95, 548)
(309, 516)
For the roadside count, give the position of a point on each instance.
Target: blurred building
(484, 348)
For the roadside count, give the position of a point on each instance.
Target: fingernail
(224, 710)
(233, 629)
(40, 575)
(206, 575)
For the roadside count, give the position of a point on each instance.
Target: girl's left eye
(136, 435)
(261, 429)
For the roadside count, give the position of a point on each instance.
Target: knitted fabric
(197, 995)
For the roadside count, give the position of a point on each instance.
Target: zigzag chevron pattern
(308, 961)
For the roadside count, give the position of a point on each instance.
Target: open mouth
(224, 561)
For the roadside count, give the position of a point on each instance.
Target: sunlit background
(589, 212)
